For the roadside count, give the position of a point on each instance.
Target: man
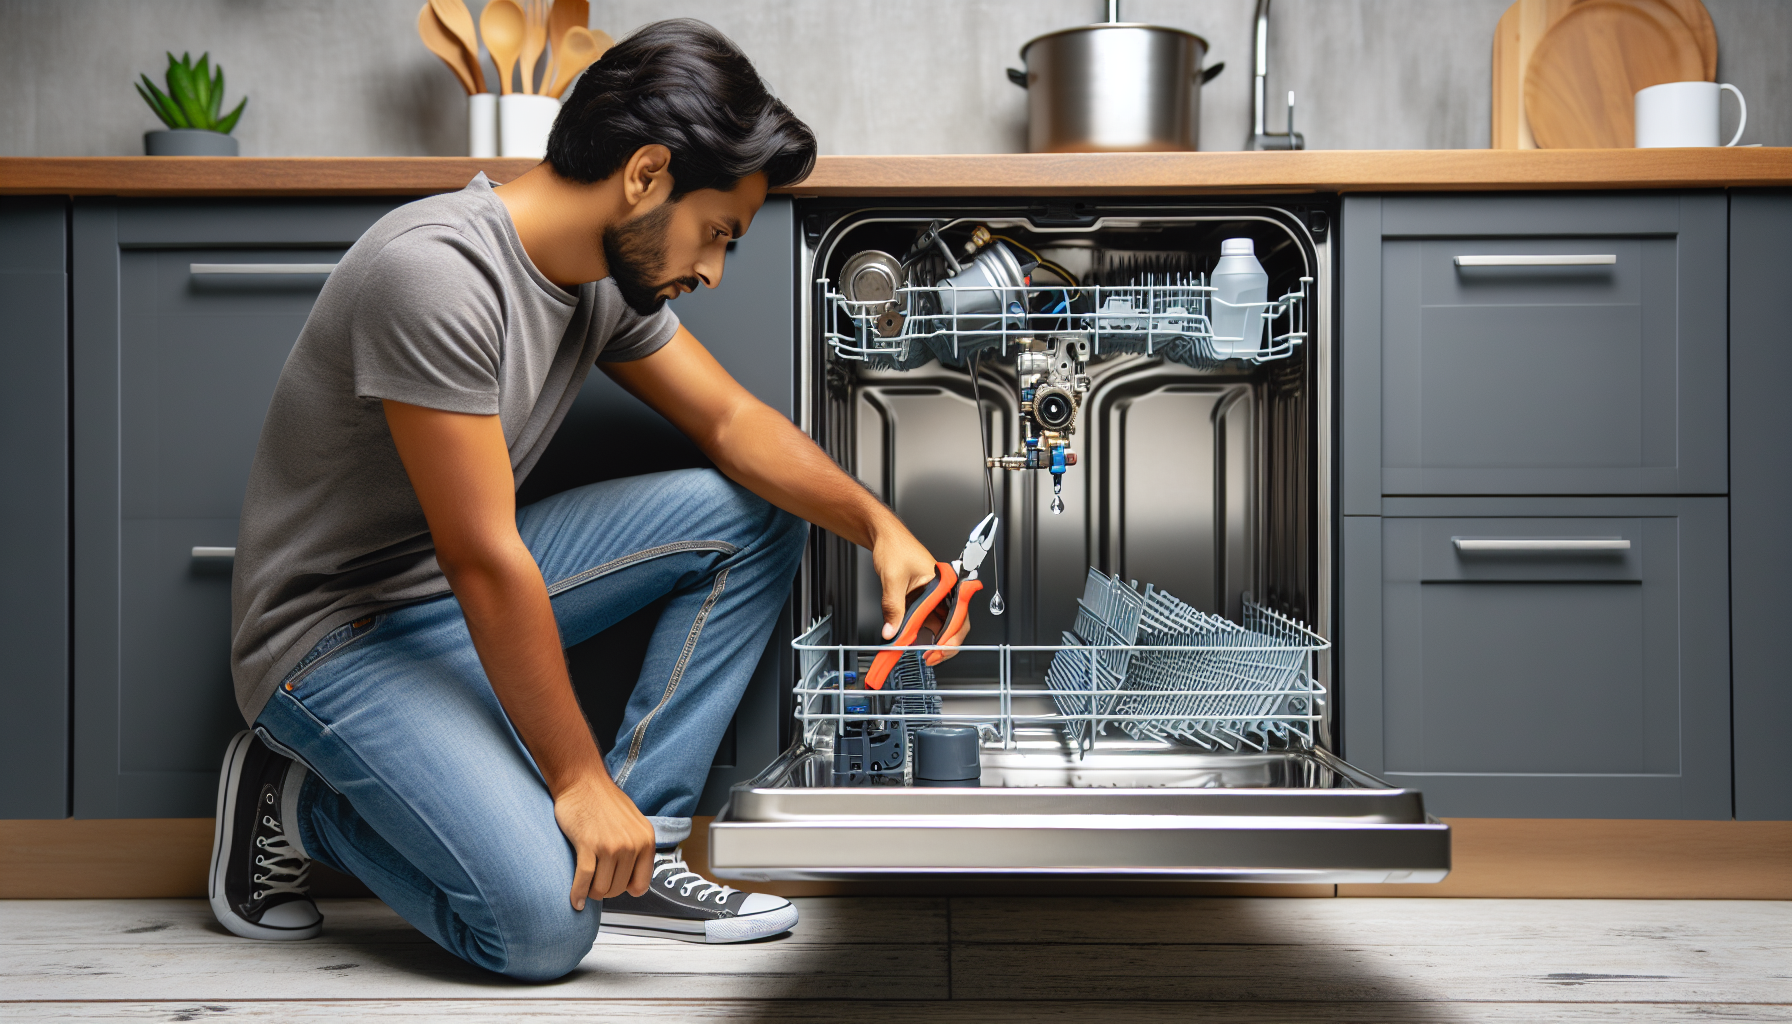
(399, 623)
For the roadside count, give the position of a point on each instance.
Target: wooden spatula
(457, 19)
(443, 44)
(535, 39)
(565, 15)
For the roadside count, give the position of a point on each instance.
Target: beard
(636, 253)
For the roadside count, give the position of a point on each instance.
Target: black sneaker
(258, 879)
(681, 904)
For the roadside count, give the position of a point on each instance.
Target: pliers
(945, 600)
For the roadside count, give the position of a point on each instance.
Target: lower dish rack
(1139, 664)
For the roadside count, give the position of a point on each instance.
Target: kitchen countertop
(1324, 171)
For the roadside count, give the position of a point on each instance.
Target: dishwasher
(1142, 431)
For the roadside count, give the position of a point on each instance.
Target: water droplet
(996, 605)
(1057, 505)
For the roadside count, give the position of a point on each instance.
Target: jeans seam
(298, 675)
(684, 658)
(322, 728)
(617, 564)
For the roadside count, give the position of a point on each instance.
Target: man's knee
(548, 938)
(783, 532)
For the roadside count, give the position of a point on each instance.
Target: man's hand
(612, 843)
(904, 567)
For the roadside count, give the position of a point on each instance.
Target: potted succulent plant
(190, 110)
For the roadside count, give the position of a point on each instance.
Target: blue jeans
(421, 788)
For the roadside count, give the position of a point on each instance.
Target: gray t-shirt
(437, 305)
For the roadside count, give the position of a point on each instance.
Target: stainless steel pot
(1114, 88)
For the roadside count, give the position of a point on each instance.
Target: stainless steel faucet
(1260, 138)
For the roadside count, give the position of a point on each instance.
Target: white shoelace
(286, 870)
(674, 863)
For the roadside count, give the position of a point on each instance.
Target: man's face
(670, 249)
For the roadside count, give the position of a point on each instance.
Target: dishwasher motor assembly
(991, 296)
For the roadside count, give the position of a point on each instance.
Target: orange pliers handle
(960, 610)
(942, 588)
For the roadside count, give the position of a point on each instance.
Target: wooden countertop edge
(1016, 174)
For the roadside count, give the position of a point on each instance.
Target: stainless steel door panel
(1290, 816)
(1213, 849)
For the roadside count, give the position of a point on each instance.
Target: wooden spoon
(456, 19)
(440, 42)
(501, 24)
(565, 15)
(578, 49)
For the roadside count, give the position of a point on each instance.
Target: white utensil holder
(482, 124)
(523, 124)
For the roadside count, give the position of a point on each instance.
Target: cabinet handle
(261, 268)
(1535, 261)
(1539, 545)
(203, 552)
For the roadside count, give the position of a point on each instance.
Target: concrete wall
(350, 77)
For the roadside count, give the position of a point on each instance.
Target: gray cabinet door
(1761, 497)
(1562, 657)
(173, 371)
(34, 507)
(1509, 364)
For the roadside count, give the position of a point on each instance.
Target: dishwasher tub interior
(1209, 481)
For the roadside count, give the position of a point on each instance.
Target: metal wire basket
(1161, 315)
(1157, 670)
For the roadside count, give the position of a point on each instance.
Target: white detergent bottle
(1238, 279)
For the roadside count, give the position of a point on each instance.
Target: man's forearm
(765, 453)
(513, 629)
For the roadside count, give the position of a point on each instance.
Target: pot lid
(1101, 25)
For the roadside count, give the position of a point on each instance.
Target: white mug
(1684, 114)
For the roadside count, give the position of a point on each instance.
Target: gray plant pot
(188, 142)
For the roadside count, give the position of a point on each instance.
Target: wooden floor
(947, 961)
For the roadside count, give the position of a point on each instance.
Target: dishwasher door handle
(260, 268)
(1536, 261)
(1540, 545)
(205, 552)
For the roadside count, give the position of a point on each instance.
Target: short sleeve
(427, 324)
(631, 335)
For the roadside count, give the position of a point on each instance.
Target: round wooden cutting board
(1581, 82)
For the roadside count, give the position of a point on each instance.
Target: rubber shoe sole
(228, 781)
(727, 929)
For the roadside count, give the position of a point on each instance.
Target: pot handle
(1212, 73)
(1018, 77)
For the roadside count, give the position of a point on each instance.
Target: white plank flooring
(950, 961)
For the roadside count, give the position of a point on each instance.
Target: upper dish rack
(1171, 318)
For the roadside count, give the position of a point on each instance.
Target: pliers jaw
(980, 543)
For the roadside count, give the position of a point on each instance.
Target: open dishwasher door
(1141, 392)
(1055, 799)
(1287, 817)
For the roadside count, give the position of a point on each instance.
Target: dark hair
(687, 87)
